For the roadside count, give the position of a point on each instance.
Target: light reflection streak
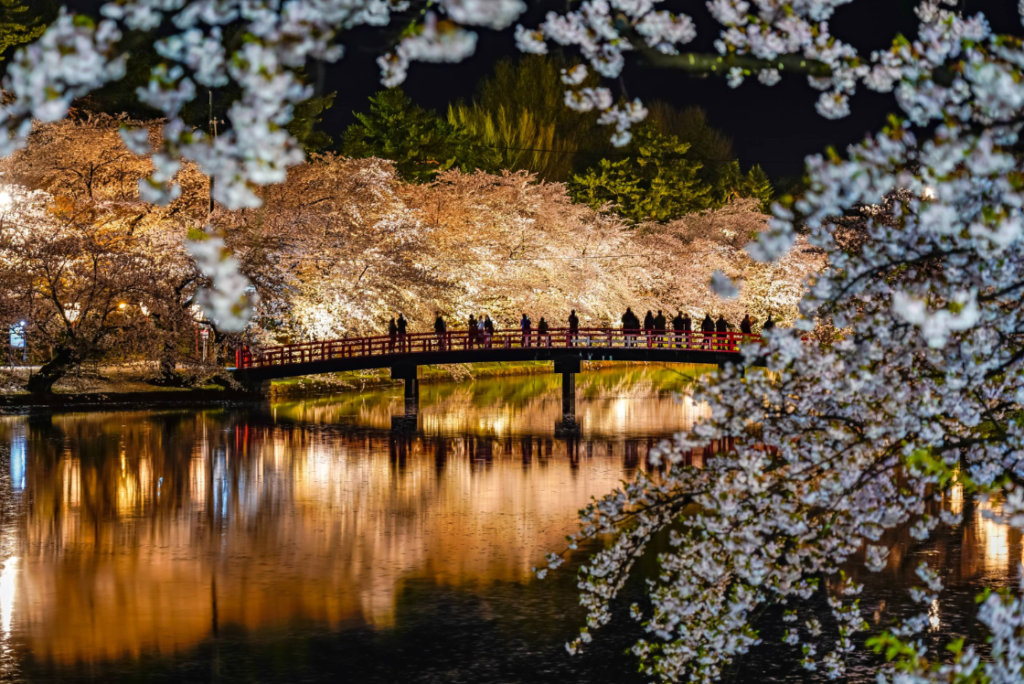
(8, 589)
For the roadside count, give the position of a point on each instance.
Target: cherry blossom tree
(840, 441)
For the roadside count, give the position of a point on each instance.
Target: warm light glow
(5, 199)
(928, 193)
(122, 306)
(8, 589)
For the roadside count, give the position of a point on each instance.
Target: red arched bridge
(405, 354)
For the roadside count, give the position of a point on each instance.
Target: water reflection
(153, 537)
(148, 532)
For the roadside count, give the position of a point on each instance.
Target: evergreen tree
(655, 182)
(22, 23)
(418, 142)
(306, 118)
(520, 110)
(522, 140)
(757, 185)
(720, 170)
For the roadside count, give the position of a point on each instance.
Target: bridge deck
(421, 349)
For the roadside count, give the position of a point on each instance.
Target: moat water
(301, 541)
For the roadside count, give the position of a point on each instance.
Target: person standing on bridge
(441, 329)
(488, 329)
(649, 326)
(746, 325)
(525, 325)
(471, 332)
(659, 328)
(543, 336)
(707, 329)
(630, 327)
(768, 325)
(403, 327)
(722, 328)
(392, 335)
(677, 327)
(574, 328)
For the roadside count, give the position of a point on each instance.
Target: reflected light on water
(8, 589)
(995, 538)
(18, 458)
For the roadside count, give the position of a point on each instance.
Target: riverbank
(120, 387)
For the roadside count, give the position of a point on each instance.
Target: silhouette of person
(441, 328)
(746, 325)
(677, 327)
(648, 326)
(707, 329)
(542, 333)
(630, 326)
(392, 334)
(769, 324)
(659, 327)
(488, 329)
(722, 328)
(403, 327)
(525, 324)
(574, 327)
(471, 331)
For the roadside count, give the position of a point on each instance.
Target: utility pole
(213, 130)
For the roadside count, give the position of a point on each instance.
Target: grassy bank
(115, 386)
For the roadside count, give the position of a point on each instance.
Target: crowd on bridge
(654, 331)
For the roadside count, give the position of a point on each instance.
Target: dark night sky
(775, 127)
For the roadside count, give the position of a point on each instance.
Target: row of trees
(675, 164)
(338, 248)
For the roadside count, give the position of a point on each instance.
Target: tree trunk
(168, 370)
(52, 371)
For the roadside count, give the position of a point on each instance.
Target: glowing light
(72, 311)
(928, 193)
(122, 306)
(5, 199)
(933, 616)
(8, 589)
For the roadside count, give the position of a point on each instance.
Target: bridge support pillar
(257, 388)
(409, 420)
(568, 426)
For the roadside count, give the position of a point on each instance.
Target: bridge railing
(462, 340)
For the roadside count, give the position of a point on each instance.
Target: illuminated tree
(21, 23)
(416, 140)
(654, 182)
(520, 111)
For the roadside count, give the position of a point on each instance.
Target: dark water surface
(302, 542)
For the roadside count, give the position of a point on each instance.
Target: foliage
(520, 110)
(655, 182)
(21, 23)
(78, 203)
(306, 118)
(418, 142)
